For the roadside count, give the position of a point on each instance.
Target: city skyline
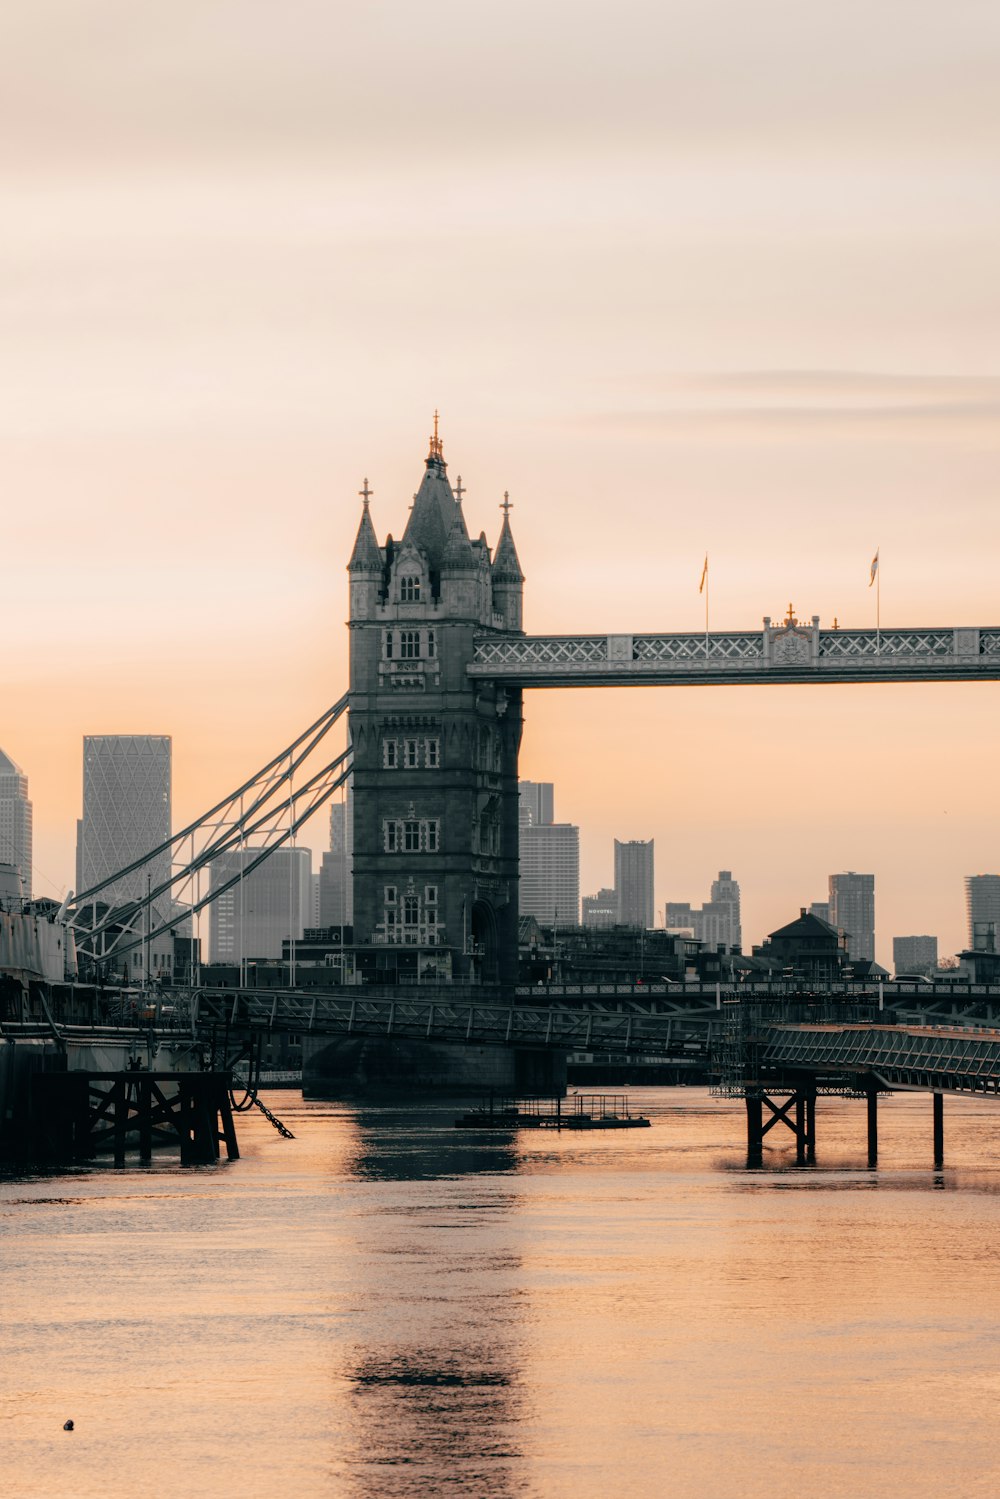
(670, 319)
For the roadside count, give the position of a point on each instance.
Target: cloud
(766, 402)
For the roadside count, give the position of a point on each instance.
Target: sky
(698, 277)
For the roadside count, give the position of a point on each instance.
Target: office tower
(535, 804)
(852, 911)
(333, 874)
(126, 813)
(270, 904)
(314, 908)
(914, 954)
(15, 821)
(821, 908)
(726, 900)
(982, 904)
(717, 922)
(550, 873)
(634, 882)
(600, 910)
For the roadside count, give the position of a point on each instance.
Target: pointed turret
(366, 565)
(508, 579)
(367, 556)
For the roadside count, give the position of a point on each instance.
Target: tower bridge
(439, 663)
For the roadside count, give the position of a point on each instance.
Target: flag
(874, 569)
(704, 574)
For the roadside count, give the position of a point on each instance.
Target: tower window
(409, 644)
(432, 753)
(390, 754)
(409, 590)
(411, 836)
(431, 644)
(410, 757)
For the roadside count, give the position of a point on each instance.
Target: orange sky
(719, 277)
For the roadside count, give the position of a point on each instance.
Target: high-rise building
(535, 805)
(270, 904)
(852, 911)
(334, 878)
(914, 954)
(600, 910)
(126, 812)
(726, 896)
(821, 908)
(634, 882)
(982, 904)
(717, 922)
(15, 821)
(550, 873)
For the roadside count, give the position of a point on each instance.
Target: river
(387, 1307)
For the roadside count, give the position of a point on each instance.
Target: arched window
(409, 590)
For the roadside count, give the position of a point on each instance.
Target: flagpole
(878, 604)
(708, 585)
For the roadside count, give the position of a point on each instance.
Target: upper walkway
(792, 651)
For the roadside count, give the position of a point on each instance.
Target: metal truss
(792, 651)
(259, 817)
(923, 1058)
(479, 1022)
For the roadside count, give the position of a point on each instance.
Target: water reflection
(434, 1390)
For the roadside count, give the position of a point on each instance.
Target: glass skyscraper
(126, 812)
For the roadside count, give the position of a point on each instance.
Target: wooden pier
(79, 1115)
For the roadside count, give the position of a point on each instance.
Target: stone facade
(435, 824)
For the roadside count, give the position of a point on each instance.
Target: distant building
(550, 873)
(535, 803)
(852, 911)
(807, 947)
(820, 908)
(334, 874)
(272, 903)
(717, 922)
(914, 954)
(634, 882)
(126, 813)
(982, 904)
(15, 822)
(600, 910)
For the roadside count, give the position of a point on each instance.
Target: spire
(367, 556)
(436, 453)
(434, 510)
(506, 567)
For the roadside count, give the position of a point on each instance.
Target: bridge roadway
(647, 1019)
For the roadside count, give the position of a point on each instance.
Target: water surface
(387, 1307)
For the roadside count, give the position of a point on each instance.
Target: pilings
(801, 1122)
(798, 1112)
(77, 1115)
(938, 1130)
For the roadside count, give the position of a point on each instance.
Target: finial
(366, 493)
(437, 450)
(790, 616)
(507, 504)
(459, 491)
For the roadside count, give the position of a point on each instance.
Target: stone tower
(435, 753)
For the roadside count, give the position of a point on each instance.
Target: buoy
(67, 1426)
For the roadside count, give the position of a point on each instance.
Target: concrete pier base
(352, 1066)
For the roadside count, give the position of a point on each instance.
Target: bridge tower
(435, 752)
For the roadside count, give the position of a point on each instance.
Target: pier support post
(872, 1125)
(801, 1140)
(811, 1127)
(938, 1130)
(755, 1129)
